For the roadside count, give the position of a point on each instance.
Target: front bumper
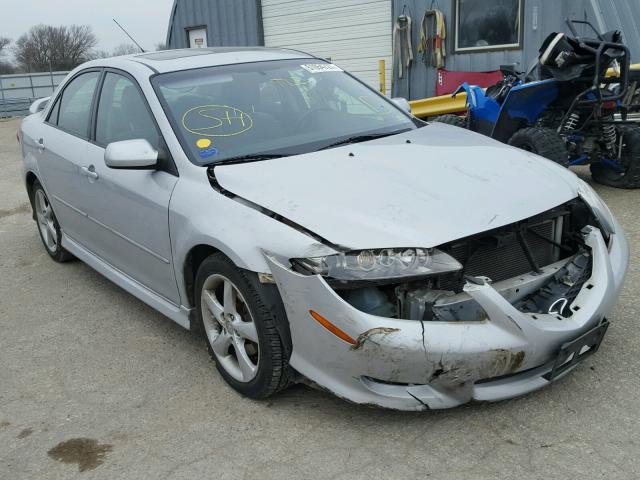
(414, 365)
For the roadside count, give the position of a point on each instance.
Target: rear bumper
(413, 365)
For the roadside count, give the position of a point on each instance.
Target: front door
(129, 207)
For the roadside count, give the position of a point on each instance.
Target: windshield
(273, 108)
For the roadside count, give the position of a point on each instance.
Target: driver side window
(123, 113)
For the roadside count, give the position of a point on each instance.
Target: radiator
(486, 257)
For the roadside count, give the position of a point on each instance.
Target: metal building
(481, 35)
(355, 34)
(537, 19)
(215, 23)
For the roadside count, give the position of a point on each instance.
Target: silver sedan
(314, 231)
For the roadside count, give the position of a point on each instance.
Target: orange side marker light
(332, 328)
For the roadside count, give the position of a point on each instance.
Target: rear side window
(74, 109)
(123, 113)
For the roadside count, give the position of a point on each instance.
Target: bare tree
(4, 42)
(58, 48)
(122, 49)
(5, 66)
(101, 53)
(161, 46)
(125, 49)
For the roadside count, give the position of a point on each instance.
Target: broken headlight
(384, 264)
(598, 207)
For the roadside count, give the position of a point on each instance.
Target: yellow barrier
(430, 107)
(614, 72)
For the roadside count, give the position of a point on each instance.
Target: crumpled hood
(446, 184)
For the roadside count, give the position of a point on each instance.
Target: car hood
(418, 189)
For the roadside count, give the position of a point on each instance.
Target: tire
(48, 226)
(630, 160)
(455, 120)
(542, 141)
(251, 359)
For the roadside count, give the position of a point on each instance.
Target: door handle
(41, 144)
(90, 172)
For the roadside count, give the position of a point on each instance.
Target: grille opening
(499, 255)
(518, 251)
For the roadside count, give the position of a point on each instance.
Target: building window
(482, 25)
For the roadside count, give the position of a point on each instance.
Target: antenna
(127, 34)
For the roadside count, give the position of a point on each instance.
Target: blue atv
(565, 107)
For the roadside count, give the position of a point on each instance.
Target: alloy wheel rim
(230, 328)
(46, 221)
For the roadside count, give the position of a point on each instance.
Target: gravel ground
(95, 384)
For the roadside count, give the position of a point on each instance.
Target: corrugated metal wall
(355, 34)
(621, 15)
(228, 22)
(541, 17)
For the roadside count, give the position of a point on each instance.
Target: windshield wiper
(254, 157)
(363, 138)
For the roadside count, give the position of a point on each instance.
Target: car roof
(188, 58)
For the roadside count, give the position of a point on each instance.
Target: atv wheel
(630, 161)
(455, 120)
(542, 141)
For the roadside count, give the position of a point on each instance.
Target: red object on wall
(448, 82)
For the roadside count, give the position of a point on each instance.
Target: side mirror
(39, 105)
(402, 103)
(135, 154)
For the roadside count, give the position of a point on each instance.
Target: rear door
(129, 208)
(62, 148)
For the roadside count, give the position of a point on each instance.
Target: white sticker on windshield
(321, 67)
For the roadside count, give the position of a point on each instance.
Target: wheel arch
(269, 292)
(30, 180)
(192, 261)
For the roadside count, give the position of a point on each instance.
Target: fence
(18, 91)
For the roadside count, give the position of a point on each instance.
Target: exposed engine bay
(539, 265)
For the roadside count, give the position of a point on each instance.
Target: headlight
(384, 264)
(597, 205)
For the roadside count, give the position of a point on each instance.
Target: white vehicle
(315, 231)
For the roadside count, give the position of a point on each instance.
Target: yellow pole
(381, 72)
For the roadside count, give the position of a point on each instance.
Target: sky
(146, 21)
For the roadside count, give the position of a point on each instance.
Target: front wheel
(542, 141)
(629, 176)
(240, 328)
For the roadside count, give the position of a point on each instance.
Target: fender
(480, 106)
(483, 111)
(523, 106)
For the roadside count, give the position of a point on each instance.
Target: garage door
(354, 34)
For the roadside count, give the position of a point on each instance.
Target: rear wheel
(629, 161)
(48, 226)
(542, 141)
(455, 120)
(240, 328)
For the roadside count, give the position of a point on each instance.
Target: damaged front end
(481, 317)
(539, 265)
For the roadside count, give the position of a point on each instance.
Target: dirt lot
(95, 384)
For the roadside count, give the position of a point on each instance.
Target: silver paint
(137, 227)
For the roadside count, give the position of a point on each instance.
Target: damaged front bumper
(413, 365)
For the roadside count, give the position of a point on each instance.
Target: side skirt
(178, 314)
